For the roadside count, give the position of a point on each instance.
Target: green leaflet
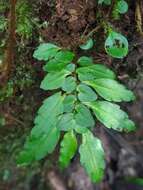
(70, 67)
(66, 122)
(94, 72)
(37, 148)
(68, 149)
(54, 80)
(59, 62)
(111, 90)
(83, 116)
(85, 61)
(46, 51)
(88, 45)
(92, 156)
(52, 103)
(69, 84)
(86, 94)
(111, 116)
(80, 120)
(64, 56)
(116, 45)
(69, 102)
(45, 135)
(44, 121)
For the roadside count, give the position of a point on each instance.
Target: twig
(9, 50)
(138, 16)
(55, 181)
(93, 31)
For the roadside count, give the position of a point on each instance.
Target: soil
(69, 22)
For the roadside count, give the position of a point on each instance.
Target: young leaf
(93, 72)
(59, 62)
(88, 45)
(122, 6)
(54, 80)
(111, 90)
(92, 156)
(111, 116)
(85, 61)
(68, 148)
(69, 84)
(116, 45)
(69, 102)
(46, 51)
(86, 94)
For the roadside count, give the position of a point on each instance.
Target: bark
(8, 59)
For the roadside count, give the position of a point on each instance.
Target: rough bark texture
(8, 59)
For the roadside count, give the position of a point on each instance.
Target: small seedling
(85, 92)
(116, 45)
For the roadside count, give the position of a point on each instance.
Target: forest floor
(67, 21)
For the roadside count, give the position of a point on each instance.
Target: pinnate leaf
(70, 111)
